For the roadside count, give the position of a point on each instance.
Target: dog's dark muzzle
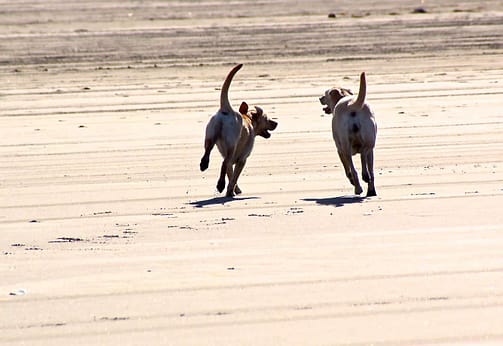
(326, 109)
(271, 127)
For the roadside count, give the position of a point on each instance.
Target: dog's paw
(237, 190)
(229, 194)
(220, 185)
(358, 190)
(371, 193)
(204, 164)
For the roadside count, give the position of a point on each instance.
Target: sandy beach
(110, 234)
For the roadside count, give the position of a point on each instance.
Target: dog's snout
(272, 125)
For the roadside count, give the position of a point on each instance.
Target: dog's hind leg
(369, 160)
(213, 133)
(365, 170)
(209, 143)
(345, 163)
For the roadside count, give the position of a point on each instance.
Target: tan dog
(354, 131)
(234, 134)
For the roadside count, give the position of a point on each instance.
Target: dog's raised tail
(225, 105)
(360, 100)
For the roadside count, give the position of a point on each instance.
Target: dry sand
(110, 234)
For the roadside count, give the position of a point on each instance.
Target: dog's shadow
(339, 201)
(218, 200)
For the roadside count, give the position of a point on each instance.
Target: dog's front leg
(230, 173)
(232, 188)
(350, 170)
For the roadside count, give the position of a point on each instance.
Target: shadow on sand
(339, 201)
(218, 200)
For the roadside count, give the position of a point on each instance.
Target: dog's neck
(247, 118)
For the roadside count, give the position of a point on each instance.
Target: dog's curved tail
(360, 100)
(225, 105)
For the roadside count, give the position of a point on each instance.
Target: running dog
(354, 130)
(234, 134)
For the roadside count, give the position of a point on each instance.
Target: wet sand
(111, 234)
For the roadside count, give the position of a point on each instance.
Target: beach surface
(110, 234)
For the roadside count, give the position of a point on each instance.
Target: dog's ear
(243, 109)
(337, 93)
(256, 113)
(346, 92)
